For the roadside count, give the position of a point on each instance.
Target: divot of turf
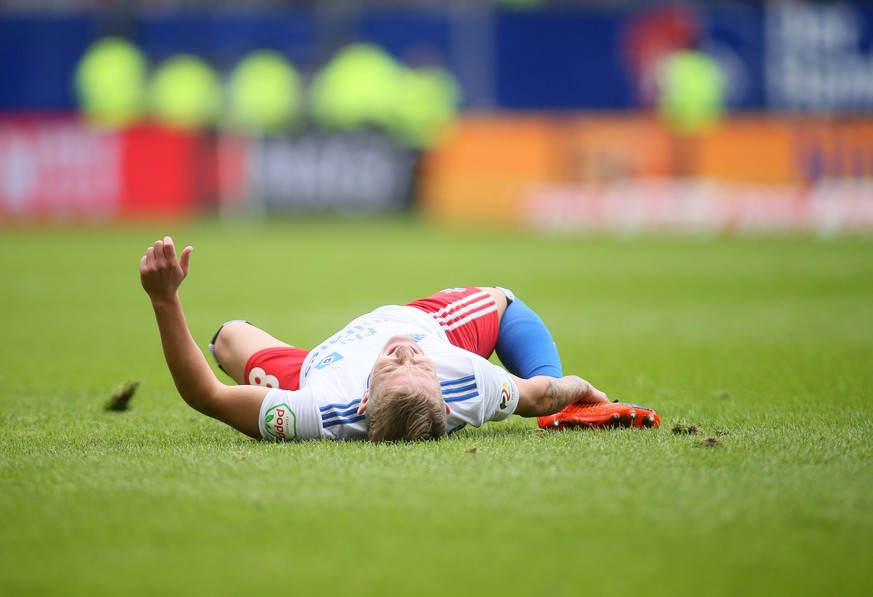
(685, 430)
(120, 399)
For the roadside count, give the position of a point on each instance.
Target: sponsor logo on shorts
(281, 422)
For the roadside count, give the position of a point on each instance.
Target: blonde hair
(405, 413)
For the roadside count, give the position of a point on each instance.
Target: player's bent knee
(222, 342)
(236, 342)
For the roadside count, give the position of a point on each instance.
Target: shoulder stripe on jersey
(459, 398)
(339, 413)
(326, 424)
(460, 380)
(457, 390)
(327, 407)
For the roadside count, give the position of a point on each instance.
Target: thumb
(185, 259)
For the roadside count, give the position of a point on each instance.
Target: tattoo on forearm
(563, 391)
(553, 397)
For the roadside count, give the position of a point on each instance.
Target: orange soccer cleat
(601, 415)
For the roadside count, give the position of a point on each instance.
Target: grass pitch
(757, 353)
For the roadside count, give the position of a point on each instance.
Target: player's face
(401, 361)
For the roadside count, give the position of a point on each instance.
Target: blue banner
(780, 56)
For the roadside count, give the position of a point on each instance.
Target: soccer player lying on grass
(411, 372)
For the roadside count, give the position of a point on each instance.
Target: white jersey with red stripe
(336, 374)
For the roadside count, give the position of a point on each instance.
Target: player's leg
(235, 342)
(482, 319)
(468, 315)
(524, 344)
(251, 356)
(526, 348)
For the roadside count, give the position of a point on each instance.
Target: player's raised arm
(542, 395)
(161, 274)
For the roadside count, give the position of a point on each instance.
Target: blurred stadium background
(544, 119)
(565, 115)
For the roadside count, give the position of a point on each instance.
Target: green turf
(764, 345)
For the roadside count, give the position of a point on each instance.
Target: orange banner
(485, 165)
(489, 162)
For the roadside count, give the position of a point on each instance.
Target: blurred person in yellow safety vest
(691, 100)
(360, 86)
(428, 104)
(264, 94)
(185, 92)
(110, 83)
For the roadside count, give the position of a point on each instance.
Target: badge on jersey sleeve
(280, 422)
(508, 398)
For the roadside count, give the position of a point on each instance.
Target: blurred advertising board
(637, 206)
(484, 166)
(629, 173)
(361, 171)
(564, 172)
(818, 56)
(58, 168)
